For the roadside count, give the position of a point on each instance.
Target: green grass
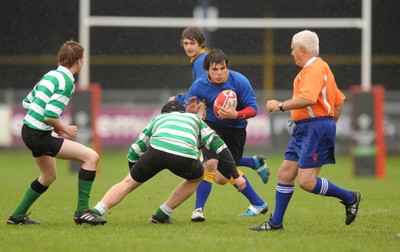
(312, 222)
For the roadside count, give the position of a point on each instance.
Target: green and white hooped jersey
(48, 98)
(176, 133)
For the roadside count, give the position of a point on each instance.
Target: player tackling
(169, 141)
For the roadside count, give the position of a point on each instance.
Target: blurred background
(137, 69)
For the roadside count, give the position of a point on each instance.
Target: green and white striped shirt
(176, 133)
(48, 98)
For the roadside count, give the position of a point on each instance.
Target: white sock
(166, 209)
(101, 208)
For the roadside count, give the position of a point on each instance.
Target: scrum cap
(173, 106)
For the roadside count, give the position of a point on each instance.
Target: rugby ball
(225, 99)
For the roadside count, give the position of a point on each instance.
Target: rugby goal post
(86, 21)
(368, 143)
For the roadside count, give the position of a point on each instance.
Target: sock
(85, 182)
(164, 211)
(248, 162)
(326, 188)
(282, 197)
(202, 193)
(251, 195)
(100, 209)
(31, 195)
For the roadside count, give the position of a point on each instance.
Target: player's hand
(72, 131)
(240, 183)
(58, 132)
(227, 113)
(192, 106)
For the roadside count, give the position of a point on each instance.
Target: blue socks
(204, 189)
(248, 162)
(325, 188)
(202, 193)
(282, 197)
(251, 195)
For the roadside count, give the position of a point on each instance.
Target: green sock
(29, 198)
(84, 188)
(160, 214)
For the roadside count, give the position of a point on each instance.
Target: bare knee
(307, 184)
(286, 176)
(91, 160)
(47, 179)
(210, 165)
(307, 178)
(287, 172)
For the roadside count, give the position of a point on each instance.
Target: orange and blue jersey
(316, 83)
(313, 138)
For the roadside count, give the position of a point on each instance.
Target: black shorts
(153, 161)
(41, 142)
(235, 139)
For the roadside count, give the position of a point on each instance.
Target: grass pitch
(312, 222)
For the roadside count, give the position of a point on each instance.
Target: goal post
(368, 143)
(86, 21)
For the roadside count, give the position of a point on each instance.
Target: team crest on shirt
(315, 157)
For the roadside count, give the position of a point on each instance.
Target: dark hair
(194, 33)
(70, 52)
(173, 106)
(216, 56)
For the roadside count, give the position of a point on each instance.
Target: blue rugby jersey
(203, 89)
(197, 71)
(197, 66)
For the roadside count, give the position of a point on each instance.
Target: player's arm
(231, 113)
(226, 158)
(182, 98)
(294, 103)
(339, 101)
(338, 111)
(249, 102)
(247, 112)
(139, 147)
(61, 128)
